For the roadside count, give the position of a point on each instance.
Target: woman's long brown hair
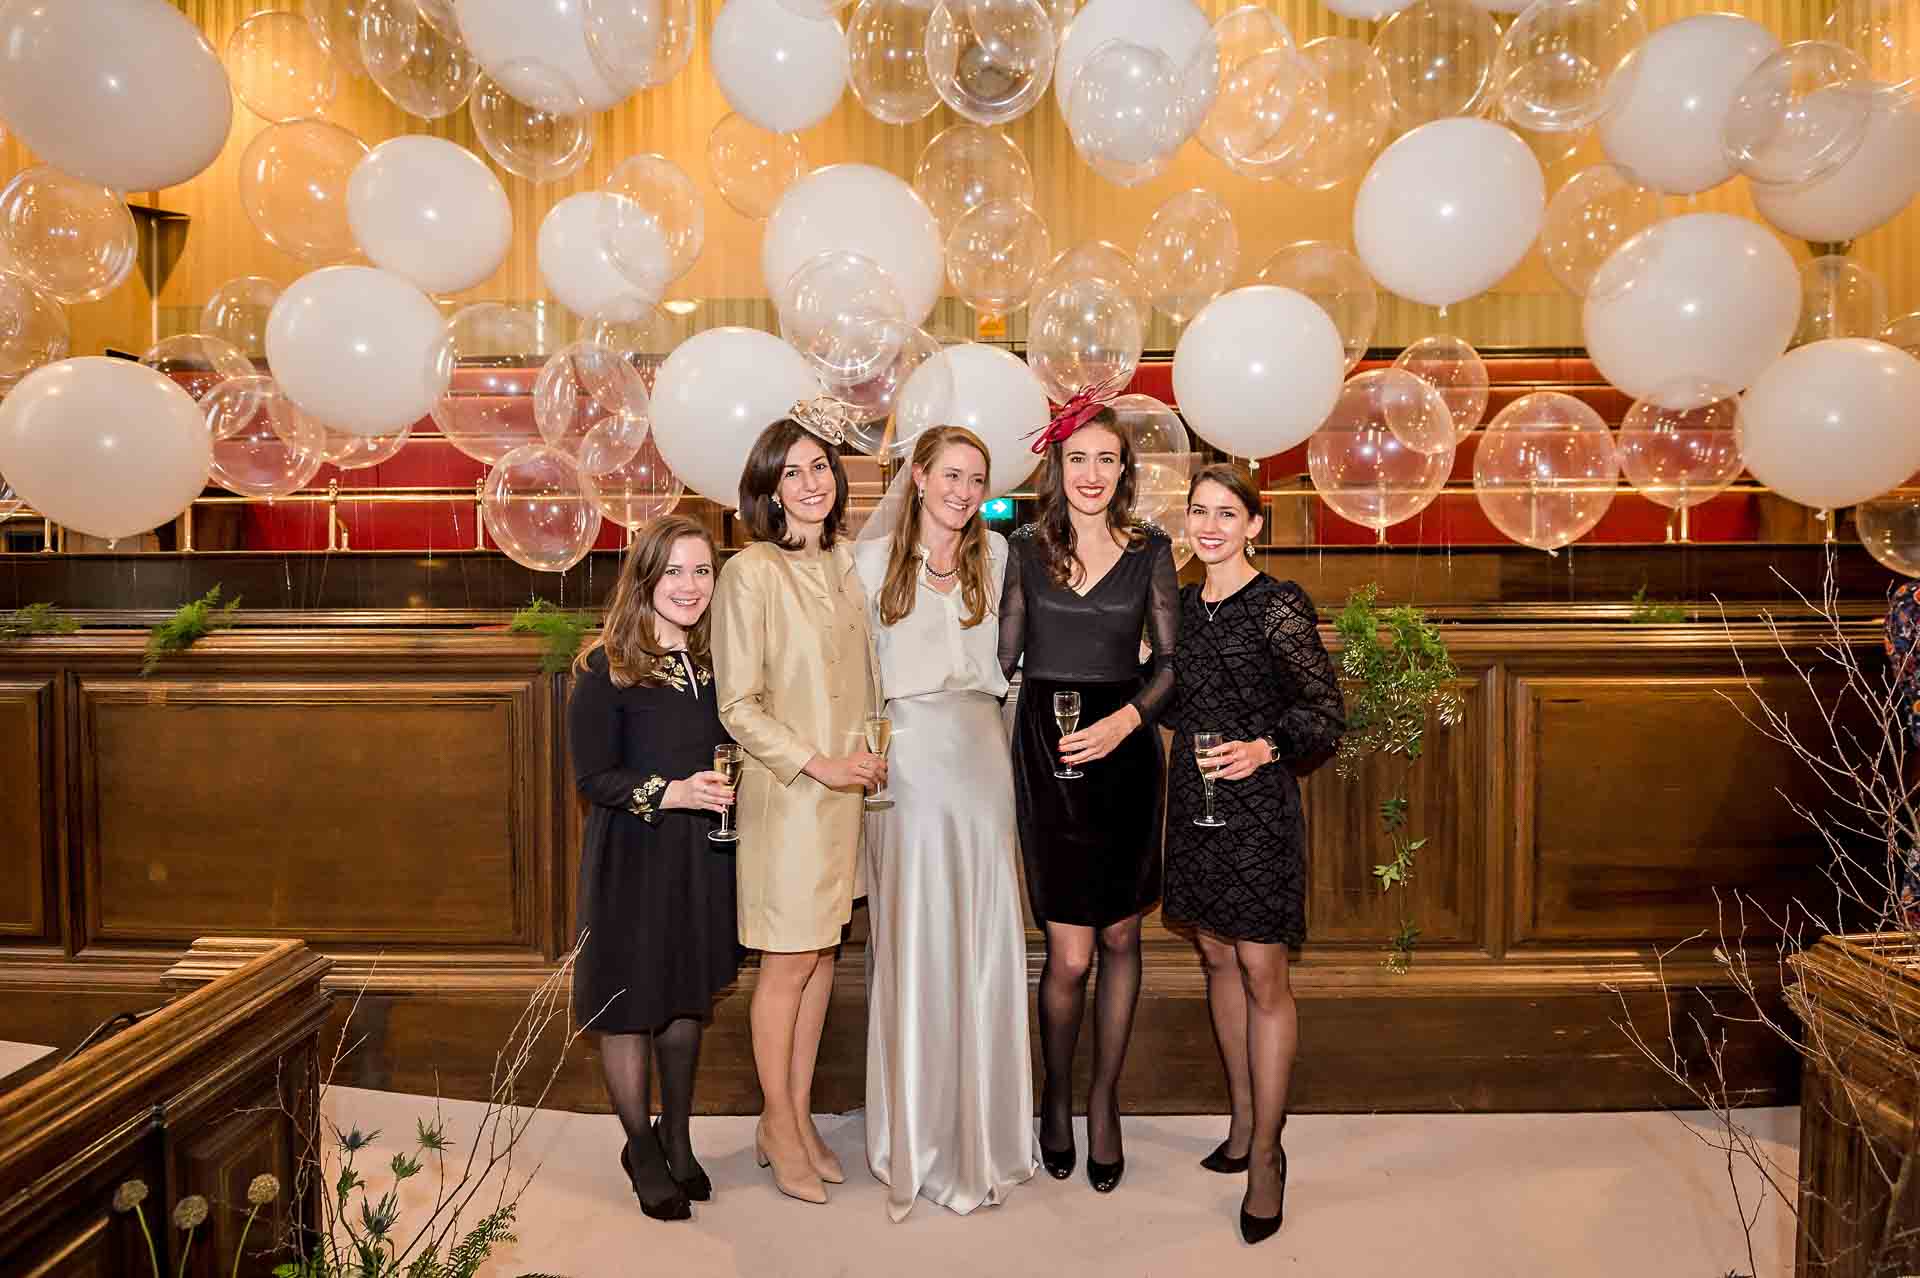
(902, 584)
(1054, 527)
(633, 650)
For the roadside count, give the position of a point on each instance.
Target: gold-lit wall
(1526, 309)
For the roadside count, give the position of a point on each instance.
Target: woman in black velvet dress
(1251, 667)
(656, 895)
(1083, 583)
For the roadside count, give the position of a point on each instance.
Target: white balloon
(1834, 423)
(714, 395)
(992, 393)
(575, 262)
(507, 35)
(126, 93)
(1448, 210)
(1258, 370)
(1705, 296)
(1368, 10)
(857, 208)
(1867, 191)
(359, 348)
(431, 212)
(1670, 99)
(1178, 29)
(104, 446)
(780, 70)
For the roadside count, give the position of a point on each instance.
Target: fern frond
(192, 623)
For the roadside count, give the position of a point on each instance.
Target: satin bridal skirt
(949, 1078)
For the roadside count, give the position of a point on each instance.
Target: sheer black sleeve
(1309, 729)
(1163, 625)
(1013, 605)
(596, 731)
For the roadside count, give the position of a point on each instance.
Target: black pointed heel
(1105, 1176)
(1257, 1229)
(1059, 1162)
(696, 1186)
(673, 1207)
(1224, 1163)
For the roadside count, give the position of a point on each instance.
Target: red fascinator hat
(1077, 412)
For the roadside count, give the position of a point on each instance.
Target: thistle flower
(263, 1189)
(130, 1195)
(190, 1212)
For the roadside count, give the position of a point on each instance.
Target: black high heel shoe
(1257, 1229)
(1105, 1176)
(1059, 1162)
(695, 1186)
(1224, 1163)
(673, 1207)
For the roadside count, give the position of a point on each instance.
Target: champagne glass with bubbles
(726, 761)
(879, 733)
(1066, 713)
(1204, 742)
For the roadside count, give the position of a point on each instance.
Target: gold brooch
(827, 417)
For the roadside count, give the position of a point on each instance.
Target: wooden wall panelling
(403, 810)
(29, 810)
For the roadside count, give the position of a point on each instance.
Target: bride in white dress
(949, 1078)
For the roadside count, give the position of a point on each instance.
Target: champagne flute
(1203, 742)
(879, 733)
(1066, 713)
(726, 761)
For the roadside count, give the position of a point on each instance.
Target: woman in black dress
(1083, 583)
(1251, 668)
(656, 896)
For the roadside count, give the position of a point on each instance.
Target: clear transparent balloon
(1385, 451)
(1188, 253)
(1163, 457)
(1452, 367)
(1680, 457)
(1889, 528)
(196, 362)
(965, 166)
(640, 44)
(1267, 112)
(887, 60)
(336, 24)
(924, 398)
(1840, 298)
(1588, 219)
(348, 451)
(1559, 55)
(1125, 106)
(1439, 57)
(827, 312)
(540, 508)
(814, 8)
(1546, 470)
(262, 445)
(1081, 334)
(751, 166)
(1099, 260)
(996, 254)
(1336, 282)
(73, 239)
(542, 140)
(656, 228)
(1800, 115)
(584, 387)
(1884, 33)
(278, 67)
(293, 186)
(487, 411)
(640, 489)
(33, 328)
(1904, 332)
(424, 69)
(990, 60)
(876, 389)
(1348, 125)
(237, 314)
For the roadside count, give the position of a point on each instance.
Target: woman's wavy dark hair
(1231, 478)
(1054, 528)
(760, 480)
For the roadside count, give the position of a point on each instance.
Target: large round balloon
(989, 391)
(1082, 334)
(293, 187)
(1840, 298)
(425, 69)
(1830, 424)
(1704, 295)
(887, 60)
(860, 209)
(1177, 29)
(1188, 253)
(1597, 211)
(966, 166)
(1451, 366)
(577, 264)
(1546, 470)
(753, 167)
(996, 254)
(1681, 447)
(126, 93)
(715, 394)
(542, 138)
(990, 60)
(487, 411)
(1439, 57)
(262, 445)
(360, 349)
(237, 314)
(1385, 451)
(506, 35)
(103, 446)
(1865, 191)
(279, 68)
(780, 70)
(541, 508)
(1889, 528)
(33, 328)
(74, 239)
(1258, 370)
(1448, 210)
(430, 212)
(1336, 281)
(1670, 100)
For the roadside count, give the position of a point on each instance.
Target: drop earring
(776, 502)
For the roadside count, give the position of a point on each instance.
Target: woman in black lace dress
(1083, 582)
(1251, 667)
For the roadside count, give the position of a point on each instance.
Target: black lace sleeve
(1013, 604)
(596, 731)
(1163, 625)
(1310, 728)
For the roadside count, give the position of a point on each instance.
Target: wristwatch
(1273, 747)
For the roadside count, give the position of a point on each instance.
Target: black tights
(626, 1061)
(1063, 999)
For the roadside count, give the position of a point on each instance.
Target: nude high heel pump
(804, 1186)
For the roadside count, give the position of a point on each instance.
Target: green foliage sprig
(1651, 612)
(1400, 678)
(194, 622)
(561, 632)
(36, 619)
